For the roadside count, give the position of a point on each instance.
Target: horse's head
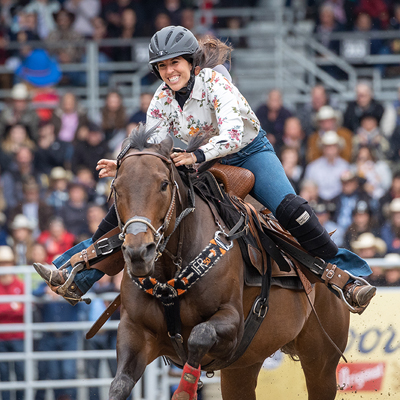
(145, 196)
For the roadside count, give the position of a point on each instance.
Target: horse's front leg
(220, 335)
(133, 355)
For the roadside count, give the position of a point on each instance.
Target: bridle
(131, 226)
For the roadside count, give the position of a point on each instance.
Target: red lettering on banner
(360, 376)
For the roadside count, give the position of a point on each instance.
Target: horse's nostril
(123, 247)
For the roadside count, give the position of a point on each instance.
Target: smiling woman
(175, 72)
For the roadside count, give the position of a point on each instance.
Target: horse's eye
(164, 186)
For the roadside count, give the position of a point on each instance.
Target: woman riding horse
(193, 98)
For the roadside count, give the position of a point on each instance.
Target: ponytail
(211, 52)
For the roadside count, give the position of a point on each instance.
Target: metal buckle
(330, 274)
(220, 243)
(262, 312)
(102, 246)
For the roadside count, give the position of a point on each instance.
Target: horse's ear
(166, 146)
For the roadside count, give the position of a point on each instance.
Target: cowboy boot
(359, 295)
(56, 278)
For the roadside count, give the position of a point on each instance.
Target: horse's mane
(139, 139)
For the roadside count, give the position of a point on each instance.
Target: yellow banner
(373, 354)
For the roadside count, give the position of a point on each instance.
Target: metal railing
(154, 384)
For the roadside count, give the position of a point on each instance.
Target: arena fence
(154, 384)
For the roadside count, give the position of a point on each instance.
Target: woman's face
(18, 134)
(113, 101)
(175, 72)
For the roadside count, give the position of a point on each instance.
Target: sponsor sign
(373, 354)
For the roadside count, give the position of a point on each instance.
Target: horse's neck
(192, 230)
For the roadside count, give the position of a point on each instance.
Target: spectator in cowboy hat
(58, 196)
(369, 134)
(367, 245)
(326, 170)
(17, 110)
(328, 119)
(22, 239)
(41, 73)
(346, 201)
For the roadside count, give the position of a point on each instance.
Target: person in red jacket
(11, 313)
(56, 239)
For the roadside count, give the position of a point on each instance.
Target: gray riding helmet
(169, 42)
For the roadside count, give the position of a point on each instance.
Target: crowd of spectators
(64, 26)
(363, 18)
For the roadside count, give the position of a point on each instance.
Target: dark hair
(212, 52)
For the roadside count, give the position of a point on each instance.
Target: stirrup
(65, 290)
(353, 309)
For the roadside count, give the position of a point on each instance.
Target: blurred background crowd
(342, 158)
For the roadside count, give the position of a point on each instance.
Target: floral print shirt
(215, 107)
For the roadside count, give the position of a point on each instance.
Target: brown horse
(149, 197)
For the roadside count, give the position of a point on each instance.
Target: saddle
(237, 183)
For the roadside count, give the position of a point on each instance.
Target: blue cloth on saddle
(85, 279)
(350, 262)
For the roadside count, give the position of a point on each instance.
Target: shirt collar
(197, 88)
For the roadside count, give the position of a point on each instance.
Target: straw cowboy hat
(331, 138)
(368, 240)
(394, 205)
(60, 173)
(327, 112)
(39, 69)
(19, 92)
(22, 222)
(6, 254)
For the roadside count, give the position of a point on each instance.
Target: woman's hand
(107, 168)
(183, 158)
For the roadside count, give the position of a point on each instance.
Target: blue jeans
(11, 346)
(271, 183)
(87, 278)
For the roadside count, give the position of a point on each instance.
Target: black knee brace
(110, 221)
(295, 214)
